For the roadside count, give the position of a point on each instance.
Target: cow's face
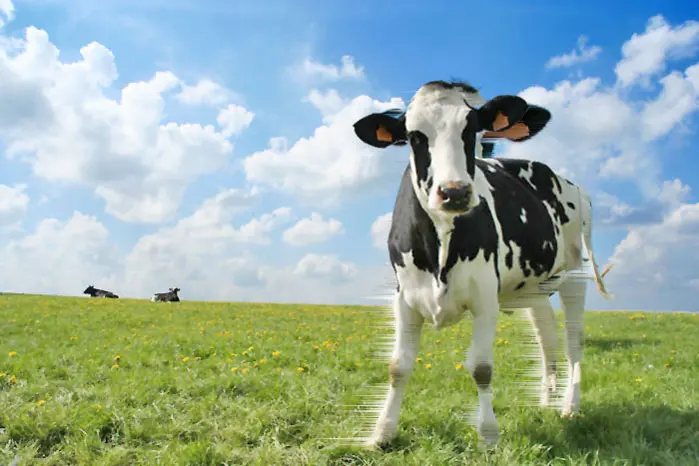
(444, 125)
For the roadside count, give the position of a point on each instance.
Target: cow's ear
(533, 121)
(382, 129)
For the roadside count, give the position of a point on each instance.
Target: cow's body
(167, 297)
(97, 293)
(478, 235)
(527, 229)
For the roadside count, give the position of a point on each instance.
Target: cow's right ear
(382, 129)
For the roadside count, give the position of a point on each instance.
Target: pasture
(125, 382)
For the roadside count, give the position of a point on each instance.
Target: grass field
(122, 382)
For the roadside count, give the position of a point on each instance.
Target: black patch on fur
(412, 230)
(571, 205)
(520, 286)
(473, 232)
(483, 374)
(468, 136)
(421, 153)
(511, 194)
(464, 86)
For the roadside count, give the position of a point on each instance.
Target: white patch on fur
(523, 216)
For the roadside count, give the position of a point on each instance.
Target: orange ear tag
(501, 121)
(382, 134)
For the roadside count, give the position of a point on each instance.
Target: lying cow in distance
(170, 296)
(473, 234)
(97, 293)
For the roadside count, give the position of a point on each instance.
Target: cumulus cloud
(329, 104)
(379, 230)
(324, 266)
(13, 205)
(234, 119)
(647, 54)
(205, 92)
(332, 163)
(7, 11)
(312, 230)
(58, 117)
(60, 257)
(583, 54)
(310, 69)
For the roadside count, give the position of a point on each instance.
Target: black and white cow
(170, 296)
(479, 235)
(97, 293)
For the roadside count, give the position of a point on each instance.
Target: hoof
(490, 433)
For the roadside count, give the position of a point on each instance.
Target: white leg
(479, 362)
(572, 294)
(408, 330)
(544, 322)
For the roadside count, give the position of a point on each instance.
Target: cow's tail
(586, 221)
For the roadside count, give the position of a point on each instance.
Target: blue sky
(623, 129)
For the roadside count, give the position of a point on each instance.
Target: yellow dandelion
(604, 363)
(251, 348)
(438, 341)
(117, 358)
(185, 359)
(13, 380)
(639, 380)
(278, 369)
(263, 361)
(418, 359)
(667, 364)
(12, 353)
(115, 366)
(105, 346)
(2, 374)
(97, 406)
(316, 347)
(73, 338)
(300, 369)
(459, 366)
(357, 364)
(428, 366)
(233, 369)
(635, 355)
(40, 403)
(197, 358)
(245, 370)
(673, 351)
(275, 354)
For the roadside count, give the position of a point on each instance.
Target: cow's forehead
(434, 103)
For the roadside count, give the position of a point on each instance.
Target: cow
(480, 235)
(169, 296)
(97, 293)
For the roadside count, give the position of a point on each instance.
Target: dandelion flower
(275, 354)
(115, 366)
(263, 361)
(117, 358)
(233, 369)
(278, 369)
(13, 380)
(418, 359)
(428, 366)
(40, 403)
(12, 353)
(245, 370)
(459, 366)
(300, 369)
(639, 380)
(197, 358)
(185, 359)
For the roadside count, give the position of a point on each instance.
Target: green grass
(174, 398)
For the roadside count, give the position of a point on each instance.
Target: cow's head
(175, 290)
(444, 125)
(89, 290)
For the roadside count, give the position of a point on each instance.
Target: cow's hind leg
(479, 362)
(407, 344)
(572, 293)
(544, 322)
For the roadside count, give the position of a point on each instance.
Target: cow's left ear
(382, 129)
(510, 117)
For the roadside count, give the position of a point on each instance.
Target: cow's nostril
(453, 192)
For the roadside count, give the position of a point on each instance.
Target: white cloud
(348, 70)
(380, 229)
(7, 10)
(329, 104)
(583, 54)
(646, 54)
(13, 205)
(312, 230)
(656, 264)
(234, 119)
(60, 257)
(57, 117)
(327, 267)
(333, 162)
(205, 92)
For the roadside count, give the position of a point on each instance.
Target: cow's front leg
(479, 362)
(408, 329)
